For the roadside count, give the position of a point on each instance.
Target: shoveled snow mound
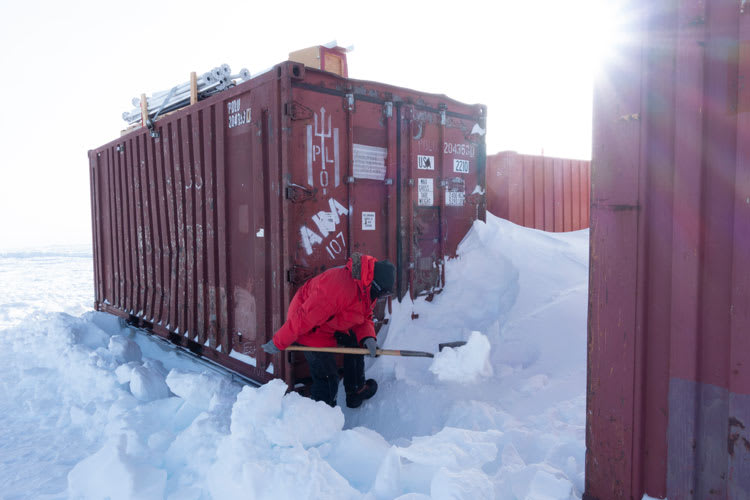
(465, 364)
(92, 409)
(525, 291)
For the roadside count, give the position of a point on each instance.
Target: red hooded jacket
(337, 300)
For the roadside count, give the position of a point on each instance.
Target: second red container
(540, 192)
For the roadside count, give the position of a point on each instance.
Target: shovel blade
(458, 343)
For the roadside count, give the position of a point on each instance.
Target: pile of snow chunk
(155, 446)
(292, 447)
(465, 364)
(163, 431)
(445, 465)
(146, 381)
(270, 450)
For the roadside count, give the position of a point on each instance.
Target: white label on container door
(461, 166)
(425, 162)
(425, 194)
(368, 221)
(369, 162)
(455, 192)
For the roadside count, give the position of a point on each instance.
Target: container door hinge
(297, 111)
(296, 193)
(443, 120)
(349, 102)
(299, 274)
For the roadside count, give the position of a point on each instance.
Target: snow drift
(90, 409)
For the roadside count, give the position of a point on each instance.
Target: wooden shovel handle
(358, 350)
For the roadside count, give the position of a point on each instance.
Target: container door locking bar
(299, 274)
(297, 111)
(296, 193)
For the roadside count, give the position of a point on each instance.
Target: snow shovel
(380, 352)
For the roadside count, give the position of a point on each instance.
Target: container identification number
(459, 149)
(238, 116)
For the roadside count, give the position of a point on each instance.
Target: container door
(445, 164)
(425, 204)
(463, 157)
(371, 180)
(316, 192)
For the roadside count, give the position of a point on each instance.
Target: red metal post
(668, 390)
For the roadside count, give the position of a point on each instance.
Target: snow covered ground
(89, 409)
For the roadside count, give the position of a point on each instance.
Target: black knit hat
(384, 278)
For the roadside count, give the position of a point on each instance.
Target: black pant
(325, 374)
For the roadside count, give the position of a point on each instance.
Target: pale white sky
(69, 69)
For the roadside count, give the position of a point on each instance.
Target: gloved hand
(270, 347)
(371, 346)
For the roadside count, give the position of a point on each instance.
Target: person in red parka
(335, 308)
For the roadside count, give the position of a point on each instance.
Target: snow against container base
(465, 364)
(124, 349)
(83, 414)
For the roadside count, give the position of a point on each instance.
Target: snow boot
(368, 390)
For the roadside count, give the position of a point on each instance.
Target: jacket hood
(362, 268)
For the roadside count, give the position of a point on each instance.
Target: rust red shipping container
(204, 233)
(669, 320)
(541, 192)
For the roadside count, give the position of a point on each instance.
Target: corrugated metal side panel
(669, 386)
(515, 194)
(540, 192)
(549, 194)
(95, 222)
(159, 228)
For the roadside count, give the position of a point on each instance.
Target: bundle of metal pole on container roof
(165, 101)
